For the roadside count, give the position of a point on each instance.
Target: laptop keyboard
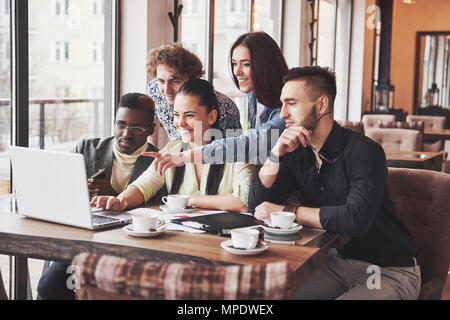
(102, 220)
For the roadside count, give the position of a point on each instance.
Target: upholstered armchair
(375, 120)
(421, 200)
(396, 139)
(430, 122)
(416, 125)
(113, 278)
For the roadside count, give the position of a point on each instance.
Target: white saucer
(145, 234)
(166, 209)
(228, 246)
(294, 229)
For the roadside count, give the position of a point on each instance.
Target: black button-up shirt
(351, 191)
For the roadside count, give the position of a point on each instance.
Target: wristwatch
(291, 207)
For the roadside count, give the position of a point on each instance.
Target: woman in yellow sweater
(223, 187)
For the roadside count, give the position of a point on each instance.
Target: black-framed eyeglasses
(134, 130)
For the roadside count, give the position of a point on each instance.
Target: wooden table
(27, 238)
(437, 134)
(415, 159)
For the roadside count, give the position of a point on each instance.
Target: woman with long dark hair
(221, 186)
(258, 68)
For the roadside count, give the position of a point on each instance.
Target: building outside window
(75, 67)
(194, 28)
(98, 7)
(61, 7)
(60, 50)
(97, 52)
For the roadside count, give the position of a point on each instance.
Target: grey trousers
(347, 279)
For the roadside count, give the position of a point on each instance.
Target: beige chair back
(396, 139)
(375, 120)
(430, 122)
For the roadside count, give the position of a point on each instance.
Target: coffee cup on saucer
(177, 202)
(143, 222)
(282, 220)
(245, 238)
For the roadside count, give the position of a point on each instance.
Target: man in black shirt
(339, 176)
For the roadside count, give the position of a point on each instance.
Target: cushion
(115, 277)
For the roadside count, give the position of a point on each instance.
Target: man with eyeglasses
(339, 177)
(120, 155)
(121, 158)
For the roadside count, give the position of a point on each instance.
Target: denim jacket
(253, 147)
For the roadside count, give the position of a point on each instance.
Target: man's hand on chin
(291, 139)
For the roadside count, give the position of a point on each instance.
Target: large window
(62, 81)
(333, 46)
(195, 27)
(232, 18)
(267, 16)
(211, 36)
(70, 81)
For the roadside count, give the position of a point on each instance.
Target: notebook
(219, 223)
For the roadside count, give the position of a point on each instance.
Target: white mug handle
(164, 199)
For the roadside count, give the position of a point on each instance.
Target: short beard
(310, 123)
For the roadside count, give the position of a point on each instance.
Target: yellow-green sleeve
(242, 180)
(150, 181)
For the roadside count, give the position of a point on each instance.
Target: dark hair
(268, 67)
(138, 101)
(319, 81)
(205, 92)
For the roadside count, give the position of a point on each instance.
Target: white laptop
(52, 186)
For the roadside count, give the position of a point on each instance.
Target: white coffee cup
(178, 202)
(144, 222)
(244, 238)
(283, 220)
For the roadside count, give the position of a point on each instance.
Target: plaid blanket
(175, 281)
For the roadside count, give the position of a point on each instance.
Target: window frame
(315, 47)
(210, 16)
